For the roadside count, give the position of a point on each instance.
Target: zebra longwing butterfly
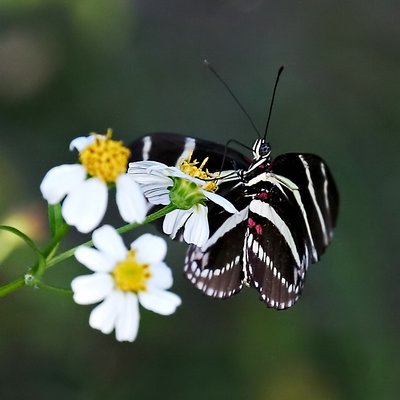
(287, 211)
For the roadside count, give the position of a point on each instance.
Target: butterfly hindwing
(275, 259)
(217, 268)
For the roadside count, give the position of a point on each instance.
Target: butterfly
(287, 207)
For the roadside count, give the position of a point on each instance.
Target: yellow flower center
(131, 276)
(191, 168)
(105, 158)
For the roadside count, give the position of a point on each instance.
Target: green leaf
(58, 229)
(56, 220)
(23, 237)
(40, 265)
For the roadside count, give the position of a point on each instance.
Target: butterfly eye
(265, 149)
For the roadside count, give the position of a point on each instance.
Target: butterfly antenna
(272, 100)
(210, 67)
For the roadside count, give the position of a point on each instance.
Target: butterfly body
(287, 211)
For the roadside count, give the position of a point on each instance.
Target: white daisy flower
(189, 193)
(103, 162)
(122, 279)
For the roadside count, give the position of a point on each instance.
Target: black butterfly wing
(217, 268)
(169, 148)
(318, 193)
(270, 244)
(289, 227)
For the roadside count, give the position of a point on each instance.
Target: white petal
(197, 230)
(109, 242)
(89, 289)
(81, 142)
(174, 220)
(104, 316)
(127, 323)
(156, 169)
(161, 276)
(130, 200)
(60, 180)
(137, 165)
(157, 194)
(94, 259)
(150, 249)
(153, 168)
(151, 180)
(159, 301)
(85, 205)
(146, 177)
(145, 172)
(216, 198)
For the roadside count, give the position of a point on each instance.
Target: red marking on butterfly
(257, 227)
(262, 196)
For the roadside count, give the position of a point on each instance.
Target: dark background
(71, 67)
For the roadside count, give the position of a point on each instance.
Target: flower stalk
(48, 259)
(12, 286)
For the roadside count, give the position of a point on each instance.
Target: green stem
(53, 245)
(42, 285)
(39, 268)
(150, 218)
(12, 286)
(123, 229)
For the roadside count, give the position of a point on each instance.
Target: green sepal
(185, 194)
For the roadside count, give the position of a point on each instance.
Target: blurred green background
(71, 67)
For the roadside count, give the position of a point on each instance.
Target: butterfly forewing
(171, 148)
(317, 193)
(290, 224)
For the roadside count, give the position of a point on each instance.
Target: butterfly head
(261, 149)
